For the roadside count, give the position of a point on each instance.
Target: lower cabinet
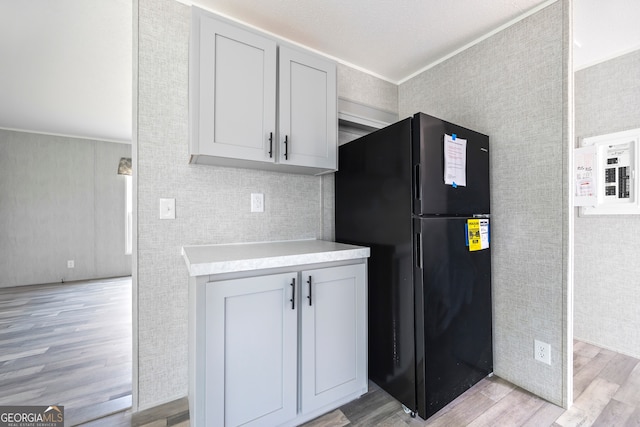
(251, 351)
(281, 349)
(332, 335)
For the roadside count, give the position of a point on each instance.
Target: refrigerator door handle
(419, 250)
(416, 182)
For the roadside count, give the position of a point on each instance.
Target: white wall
(607, 287)
(212, 203)
(60, 199)
(514, 87)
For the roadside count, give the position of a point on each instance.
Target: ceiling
(66, 67)
(604, 29)
(391, 39)
(67, 64)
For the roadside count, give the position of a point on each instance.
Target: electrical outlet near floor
(542, 352)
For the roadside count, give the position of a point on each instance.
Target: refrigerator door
(453, 312)
(373, 208)
(431, 195)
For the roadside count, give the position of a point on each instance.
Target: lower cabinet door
(333, 334)
(251, 351)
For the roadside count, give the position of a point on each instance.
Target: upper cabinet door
(234, 93)
(307, 110)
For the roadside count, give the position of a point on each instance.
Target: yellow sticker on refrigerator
(478, 234)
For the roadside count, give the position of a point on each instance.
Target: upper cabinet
(239, 119)
(307, 113)
(233, 92)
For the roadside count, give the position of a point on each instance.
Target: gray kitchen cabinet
(260, 329)
(232, 92)
(237, 118)
(307, 110)
(333, 342)
(260, 354)
(251, 351)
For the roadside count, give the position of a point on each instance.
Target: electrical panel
(606, 182)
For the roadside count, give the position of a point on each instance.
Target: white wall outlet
(167, 208)
(71, 264)
(257, 202)
(542, 352)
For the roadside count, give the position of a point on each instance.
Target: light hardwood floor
(606, 392)
(67, 344)
(70, 344)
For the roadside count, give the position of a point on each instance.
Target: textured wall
(512, 86)
(355, 85)
(607, 290)
(60, 199)
(212, 203)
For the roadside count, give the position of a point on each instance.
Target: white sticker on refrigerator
(455, 161)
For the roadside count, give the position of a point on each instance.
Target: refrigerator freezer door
(431, 195)
(453, 312)
(373, 208)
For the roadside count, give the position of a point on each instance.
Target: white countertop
(216, 259)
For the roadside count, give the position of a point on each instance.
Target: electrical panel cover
(606, 182)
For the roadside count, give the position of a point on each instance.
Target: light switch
(167, 208)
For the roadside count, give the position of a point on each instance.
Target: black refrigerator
(417, 193)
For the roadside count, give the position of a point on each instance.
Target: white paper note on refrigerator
(455, 161)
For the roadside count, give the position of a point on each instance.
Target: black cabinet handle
(293, 294)
(270, 145)
(286, 147)
(309, 296)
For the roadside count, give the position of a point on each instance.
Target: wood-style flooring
(606, 392)
(70, 344)
(67, 344)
